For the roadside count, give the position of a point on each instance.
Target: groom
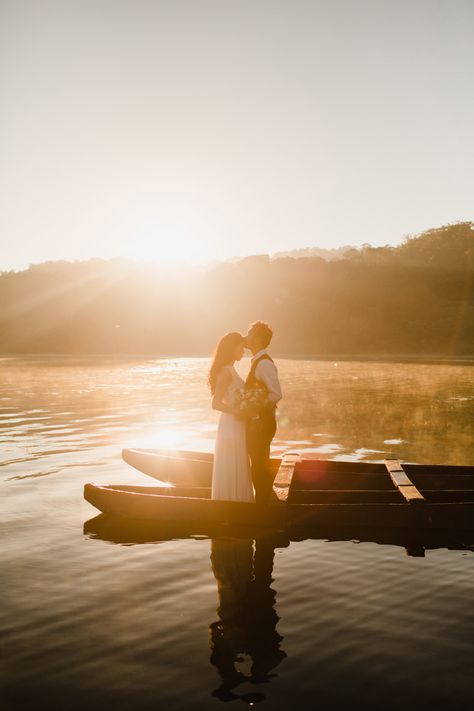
(261, 429)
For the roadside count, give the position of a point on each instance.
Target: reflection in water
(247, 616)
(368, 609)
(122, 531)
(88, 625)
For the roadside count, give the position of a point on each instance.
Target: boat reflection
(415, 541)
(247, 621)
(246, 630)
(245, 646)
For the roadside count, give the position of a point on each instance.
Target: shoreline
(333, 357)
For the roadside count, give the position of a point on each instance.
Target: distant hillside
(327, 254)
(417, 298)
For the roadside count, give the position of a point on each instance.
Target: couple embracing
(247, 423)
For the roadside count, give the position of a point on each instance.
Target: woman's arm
(223, 382)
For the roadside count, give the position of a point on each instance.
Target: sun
(178, 230)
(172, 250)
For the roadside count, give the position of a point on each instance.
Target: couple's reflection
(246, 627)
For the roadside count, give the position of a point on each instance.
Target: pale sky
(205, 129)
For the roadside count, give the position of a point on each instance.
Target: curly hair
(262, 331)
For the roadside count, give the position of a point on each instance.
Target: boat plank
(411, 494)
(336, 480)
(340, 496)
(399, 478)
(404, 485)
(284, 477)
(311, 496)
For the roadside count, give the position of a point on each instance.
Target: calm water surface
(94, 616)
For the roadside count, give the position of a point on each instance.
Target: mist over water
(189, 622)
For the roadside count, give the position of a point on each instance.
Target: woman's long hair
(223, 355)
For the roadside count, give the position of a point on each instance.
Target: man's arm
(267, 373)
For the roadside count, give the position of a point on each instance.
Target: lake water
(95, 617)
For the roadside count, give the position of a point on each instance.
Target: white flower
(252, 401)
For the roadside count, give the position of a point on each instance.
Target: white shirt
(266, 372)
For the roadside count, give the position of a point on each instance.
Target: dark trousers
(260, 433)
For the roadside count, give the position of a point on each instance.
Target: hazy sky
(209, 128)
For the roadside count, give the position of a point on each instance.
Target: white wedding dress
(231, 478)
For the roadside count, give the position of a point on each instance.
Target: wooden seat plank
(400, 478)
(404, 485)
(411, 493)
(282, 481)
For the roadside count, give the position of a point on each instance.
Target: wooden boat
(184, 468)
(307, 492)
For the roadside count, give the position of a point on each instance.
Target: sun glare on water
(170, 439)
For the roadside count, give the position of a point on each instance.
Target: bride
(231, 478)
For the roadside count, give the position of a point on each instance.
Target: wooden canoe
(308, 492)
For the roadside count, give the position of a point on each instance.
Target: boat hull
(186, 468)
(167, 506)
(195, 469)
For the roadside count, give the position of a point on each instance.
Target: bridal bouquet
(252, 401)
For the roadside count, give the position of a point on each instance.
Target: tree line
(413, 299)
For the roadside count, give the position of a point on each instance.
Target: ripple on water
(339, 624)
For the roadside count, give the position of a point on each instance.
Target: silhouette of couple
(247, 423)
(247, 616)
